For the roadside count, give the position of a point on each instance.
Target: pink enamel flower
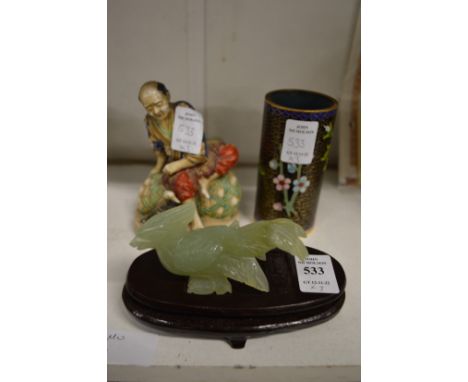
(281, 182)
(278, 206)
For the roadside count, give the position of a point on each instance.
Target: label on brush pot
(187, 132)
(316, 275)
(299, 141)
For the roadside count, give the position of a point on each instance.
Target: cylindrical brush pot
(296, 137)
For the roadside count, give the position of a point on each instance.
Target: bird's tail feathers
(260, 237)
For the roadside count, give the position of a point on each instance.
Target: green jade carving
(211, 255)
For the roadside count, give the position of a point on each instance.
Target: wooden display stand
(159, 298)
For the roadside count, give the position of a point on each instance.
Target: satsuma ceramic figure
(204, 178)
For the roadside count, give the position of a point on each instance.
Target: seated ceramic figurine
(211, 255)
(181, 177)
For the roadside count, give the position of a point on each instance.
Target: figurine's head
(155, 98)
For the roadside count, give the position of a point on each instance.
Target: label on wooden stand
(299, 141)
(316, 275)
(187, 132)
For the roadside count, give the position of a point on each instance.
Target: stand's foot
(237, 343)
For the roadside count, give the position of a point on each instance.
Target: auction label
(131, 348)
(316, 275)
(187, 132)
(299, 141)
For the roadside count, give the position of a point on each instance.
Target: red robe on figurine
(221, 158)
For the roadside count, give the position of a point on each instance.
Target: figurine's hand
(204, 182)
(176, 166)
(168, 169)
(173, 167)
(169, 195)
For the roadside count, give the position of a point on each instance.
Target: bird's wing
(246, 270)
(197, 250)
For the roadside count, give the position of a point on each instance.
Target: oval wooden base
(159, 298)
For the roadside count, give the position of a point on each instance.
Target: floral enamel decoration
(290, 177)
(327, 136)
(292, 168)
(282, 183)
(273, 164)
(301, 184)
(278, 206)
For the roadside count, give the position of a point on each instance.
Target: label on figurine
(187, 134)
(316, 275)
(299, 141)
(131, 348)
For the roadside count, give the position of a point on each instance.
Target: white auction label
(187, 132)
(299, 141)
(316, 275)
(131, 348)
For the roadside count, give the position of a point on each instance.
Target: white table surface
(327, 352)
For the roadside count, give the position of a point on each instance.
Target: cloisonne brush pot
(295, 145)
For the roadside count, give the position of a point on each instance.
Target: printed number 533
(187, 130)
(313, 271)
(296, 143)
